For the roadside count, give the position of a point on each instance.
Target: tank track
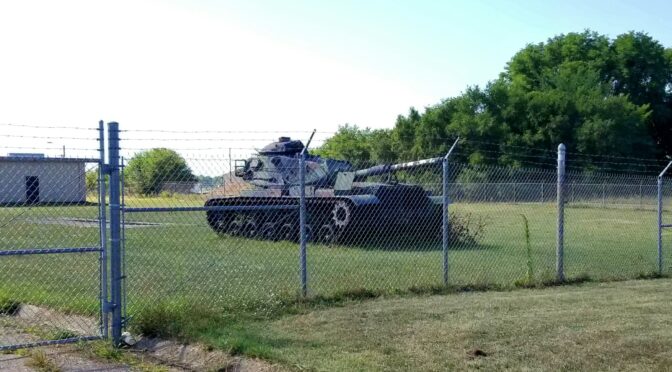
(277, 218)
(329, 220)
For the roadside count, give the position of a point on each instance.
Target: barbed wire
(189, 149)
(49, 137)
(221, 131)
(495, 147)
(198, 139)
(48, 148)
(46, 126)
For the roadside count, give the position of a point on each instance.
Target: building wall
(60, 182)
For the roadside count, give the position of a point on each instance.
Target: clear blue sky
(271, 65)
(441, 46)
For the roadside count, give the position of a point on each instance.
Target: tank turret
(277, 167)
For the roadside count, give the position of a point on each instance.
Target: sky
(264, 67)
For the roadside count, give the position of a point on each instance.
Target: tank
(341, 204)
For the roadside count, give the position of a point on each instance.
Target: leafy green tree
(91, 178)
(349, 143)
(642, 70)
(595, 94)
(147, 172)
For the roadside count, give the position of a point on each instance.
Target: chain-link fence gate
(52, 249)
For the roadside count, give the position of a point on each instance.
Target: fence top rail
(665, 170)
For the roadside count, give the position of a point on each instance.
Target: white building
(32, 178)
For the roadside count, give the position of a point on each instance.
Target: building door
(32, 189)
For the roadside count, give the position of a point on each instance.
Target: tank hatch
(284, 146)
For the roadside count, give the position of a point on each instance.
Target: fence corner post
(660, 218)
(303, 236)
(660, 224)
(115, 232)
(102, 218)
(302, 225)
(560, 248)
(445, 216)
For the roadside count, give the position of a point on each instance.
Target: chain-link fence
(234, 240)
(51, 248)
(248, 230)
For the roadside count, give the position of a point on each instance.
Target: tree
(633, 65)
(349, 143)
(91, 177)
(595, 94)
(148, 171)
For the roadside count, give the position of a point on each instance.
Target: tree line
(597, 95)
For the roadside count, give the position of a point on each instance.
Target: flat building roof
(28, 159)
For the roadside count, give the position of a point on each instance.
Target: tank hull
(346, 219)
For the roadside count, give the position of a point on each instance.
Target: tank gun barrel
(383, 169)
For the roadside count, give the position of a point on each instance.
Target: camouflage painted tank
(341, 205)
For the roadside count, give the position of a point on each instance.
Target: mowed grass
(182, 261)
(607, 326)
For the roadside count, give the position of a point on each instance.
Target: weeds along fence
(230, 230)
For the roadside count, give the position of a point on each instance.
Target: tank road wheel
(269, 231)
(309, 233)
(250, 229)
(326, 234)
(235, 227)
(289, 231)
(217, 222)
(341, 215)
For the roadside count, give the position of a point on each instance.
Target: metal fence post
(122, 245)
(115, 232)
(660, 218)
(560, 248)
(660, 224)
(445, 215)
(302, 224)
(102, 218)
(303, 238)
(604, 194)
(542, 193)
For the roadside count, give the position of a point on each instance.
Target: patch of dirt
(35, 316)
(198, 357)
(477, 353)
(26, 325)
(66, 357)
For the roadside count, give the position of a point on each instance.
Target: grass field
(182, 261)
(608, 326)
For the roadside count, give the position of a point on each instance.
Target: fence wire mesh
(370, 229)
(220, 228)
(49, 250)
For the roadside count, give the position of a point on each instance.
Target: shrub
(8, 306)
(466, 229)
